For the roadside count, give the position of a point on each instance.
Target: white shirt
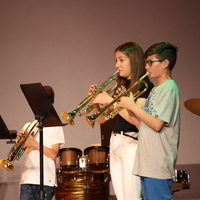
(31, 167)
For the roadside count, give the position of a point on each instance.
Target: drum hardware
(82, 163)
(106, 177)
(59, 176)
(181, 180)
(193, 105)
(92, 177)
(75, 178)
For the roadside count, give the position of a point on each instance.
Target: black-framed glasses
(150, 62)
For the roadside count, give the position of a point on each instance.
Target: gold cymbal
(193, 105)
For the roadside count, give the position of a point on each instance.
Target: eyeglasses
(150, 62)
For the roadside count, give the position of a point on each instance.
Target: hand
(103, 98)
(20, 134)
(120, 90)
(30, 142)
(92, 89)
(126, 102)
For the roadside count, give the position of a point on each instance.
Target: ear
(165, 63)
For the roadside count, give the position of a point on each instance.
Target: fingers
(103, 98)
(20, 134)
(92, 89)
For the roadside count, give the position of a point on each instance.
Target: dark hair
(50, 93)
(163, 50)
(137, 60)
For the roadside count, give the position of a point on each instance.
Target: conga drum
(83, 186)
(97, 159)
(69, 159)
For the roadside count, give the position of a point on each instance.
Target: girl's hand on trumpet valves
(91, 91)
(103, 98)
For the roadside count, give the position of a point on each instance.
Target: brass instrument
(124, 92)
(69, 117)
(18, 149)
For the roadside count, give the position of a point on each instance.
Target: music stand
(5, 133)
(45, 114)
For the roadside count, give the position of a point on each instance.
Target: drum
(97, 159)
(83, 185)
(181, 180)
(69, 159)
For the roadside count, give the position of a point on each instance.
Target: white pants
(122, 156)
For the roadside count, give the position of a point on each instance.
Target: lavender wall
(69, 45)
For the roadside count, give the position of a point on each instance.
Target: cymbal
(193, 105)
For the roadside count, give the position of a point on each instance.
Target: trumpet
(124, 92)
(69, 117)
(18, 149)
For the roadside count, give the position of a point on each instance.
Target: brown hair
(164, 50)
(50, 93)
(137, 60)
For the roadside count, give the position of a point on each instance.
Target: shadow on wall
(194, 191)
(9, 183)
(9, 190)
(3, 190)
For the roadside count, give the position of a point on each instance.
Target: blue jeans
(156, 189)
(31, 192)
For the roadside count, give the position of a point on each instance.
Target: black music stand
(45, 114)
(5, 133)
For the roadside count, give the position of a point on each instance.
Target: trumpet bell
(17, 150)
(89, 120)
(68, 117)
(6, 164)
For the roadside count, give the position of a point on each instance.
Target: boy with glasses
(158, 137)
